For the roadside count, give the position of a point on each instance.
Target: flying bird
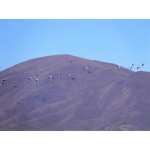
(37, 80)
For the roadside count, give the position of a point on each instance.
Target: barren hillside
(65, 92)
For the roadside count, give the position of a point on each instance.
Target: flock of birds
(131, 67)
(136, 68)
(2, 81)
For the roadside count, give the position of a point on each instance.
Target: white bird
(69, 75)
(37, 80)
(51, 78)
(86, 68)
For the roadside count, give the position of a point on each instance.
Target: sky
(121, 42)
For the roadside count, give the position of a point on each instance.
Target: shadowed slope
(85, 96)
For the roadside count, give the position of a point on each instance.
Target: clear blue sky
(116, 41)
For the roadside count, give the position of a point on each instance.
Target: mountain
(68, 93)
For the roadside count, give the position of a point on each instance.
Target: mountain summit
(65, 92)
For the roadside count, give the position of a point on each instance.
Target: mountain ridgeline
(68, 93)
